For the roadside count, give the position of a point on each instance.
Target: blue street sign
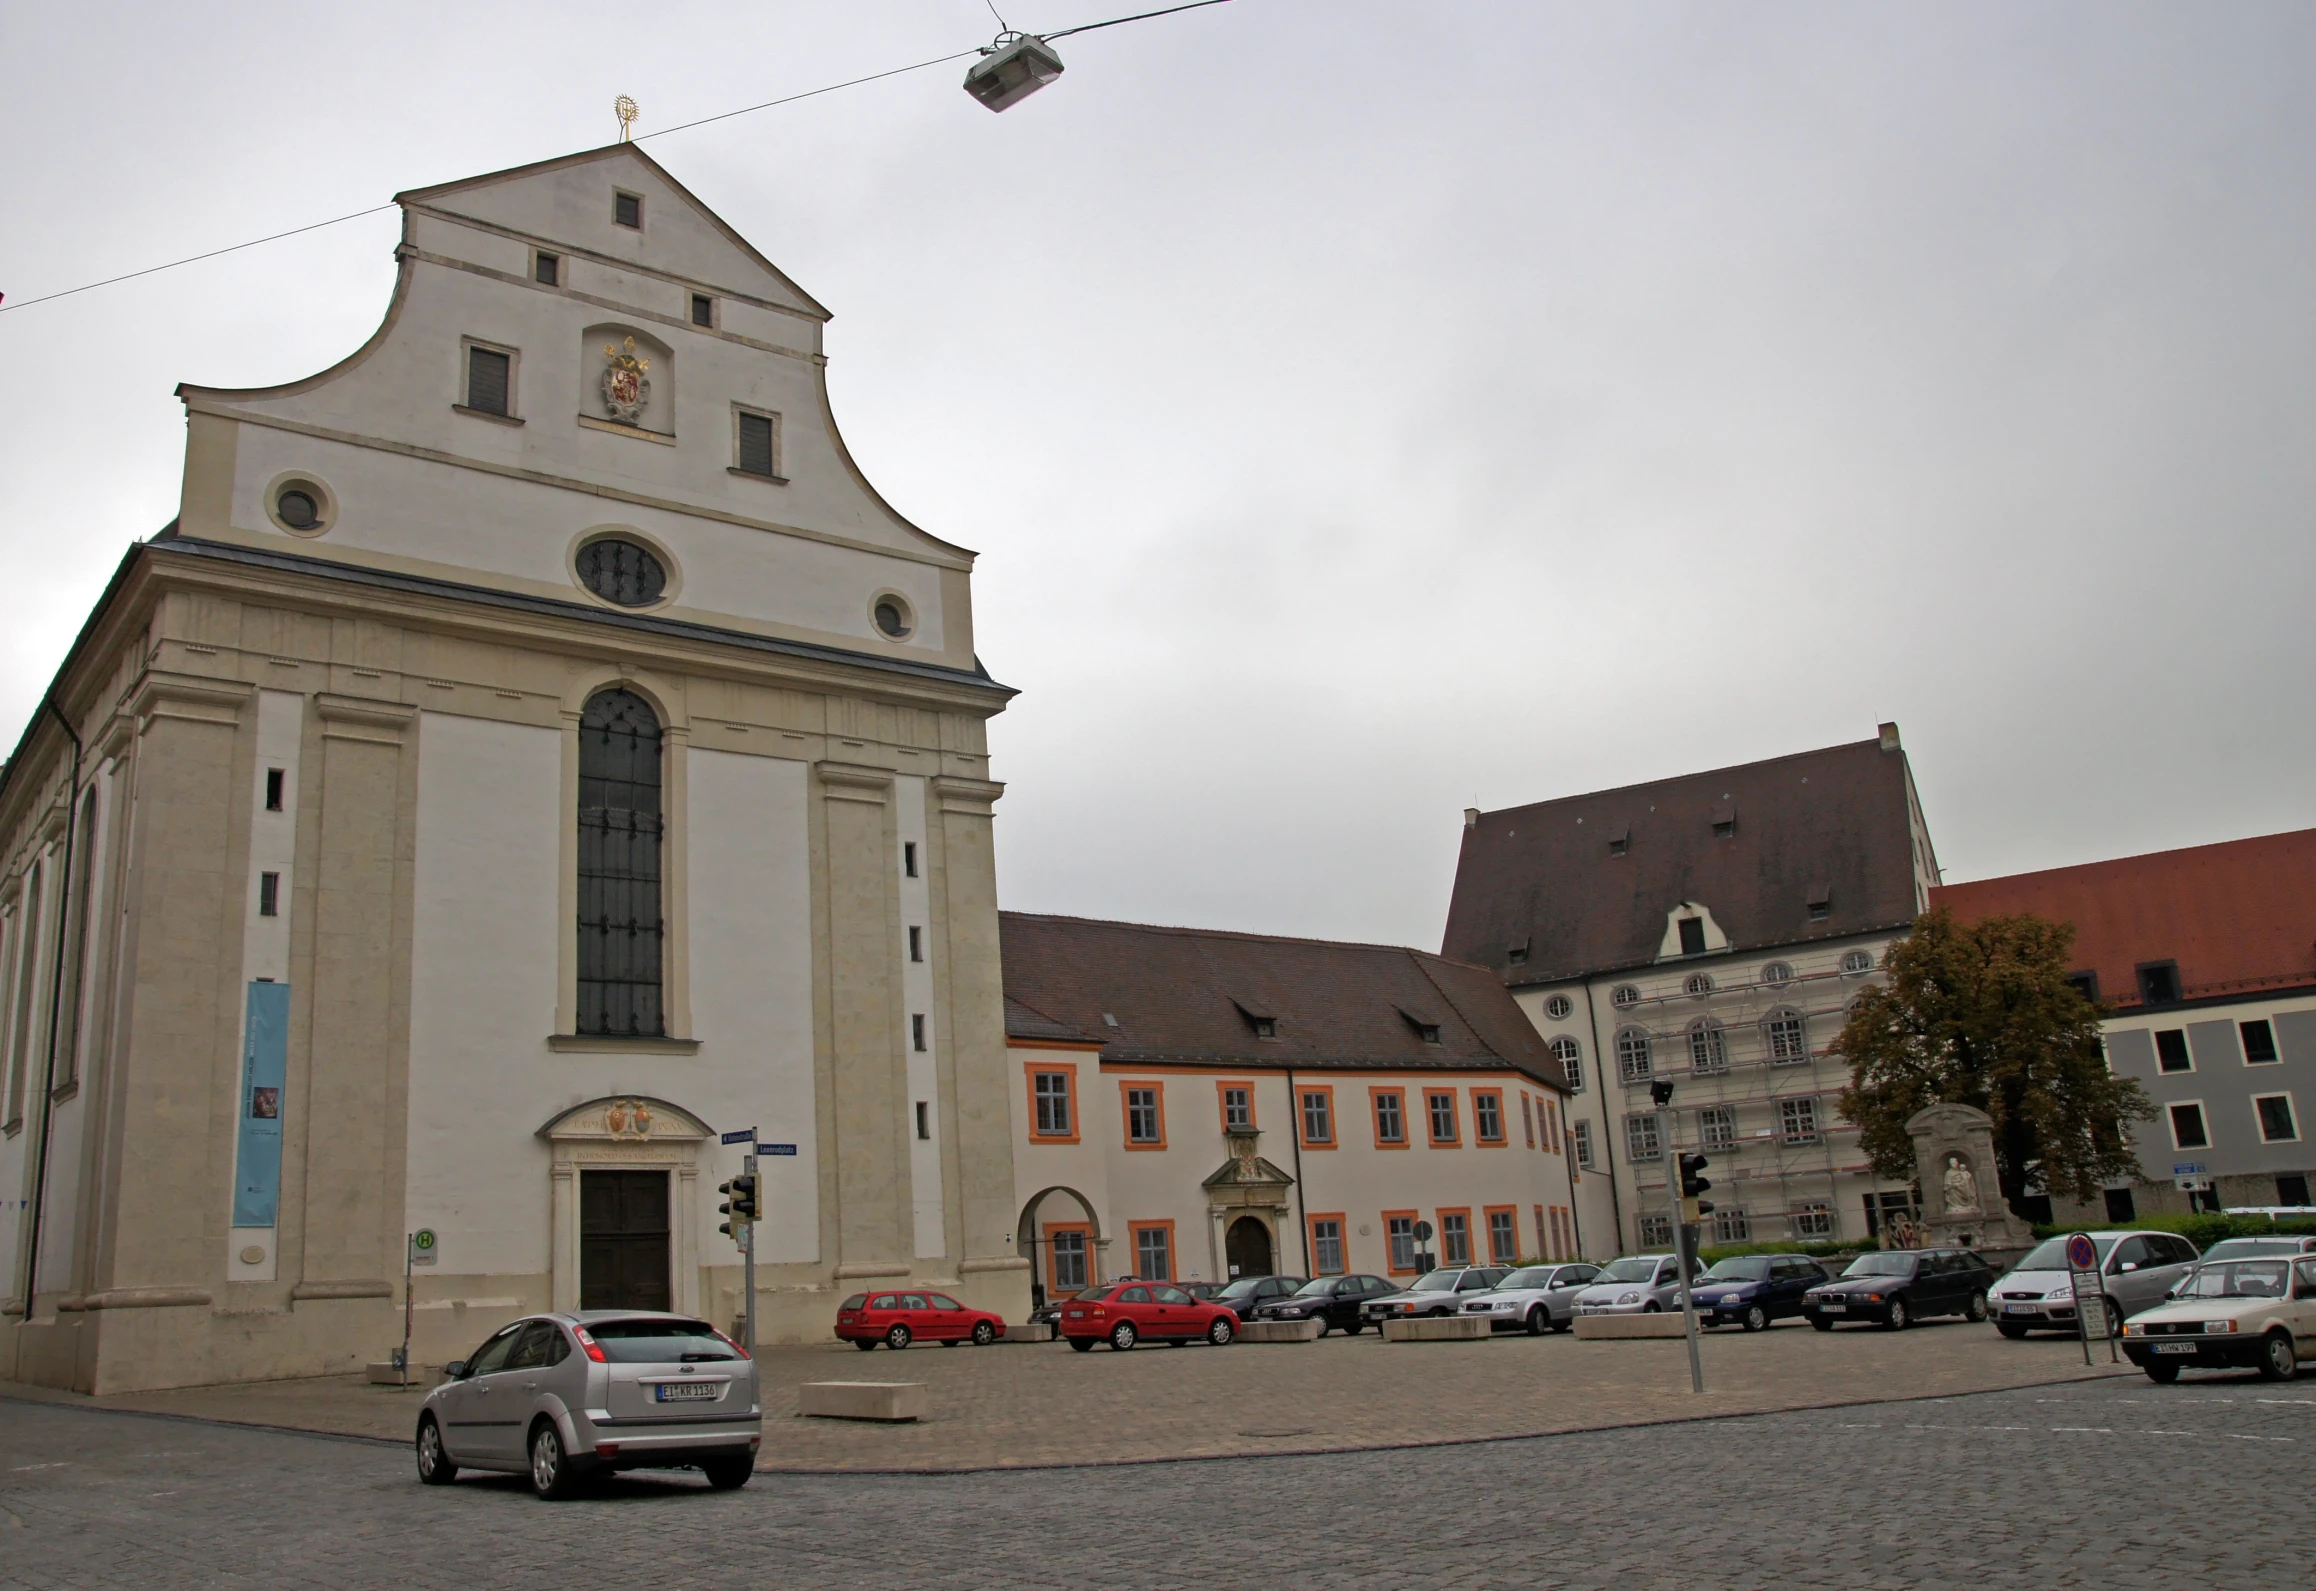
(776, 1149)
(2187, 1168)
(746, 1135)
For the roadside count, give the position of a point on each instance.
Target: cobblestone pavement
(1027, 1404)
(2115, 1484)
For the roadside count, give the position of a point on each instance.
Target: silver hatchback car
(563, 1397)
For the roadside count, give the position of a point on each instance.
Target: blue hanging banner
(264, 1063)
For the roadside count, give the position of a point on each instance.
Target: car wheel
(1122, 1335)
(1653, 1308)
(1976, 1309)
(1325, 1325)
(2011, 1329)
(1220, 1331)
(1538, 1319)
(2161, 1372)
(1899, 1317)
(1566, 1322)
(865, 1344)
(729, 1474)
(1354, 1328)
(434, 1465)
(983, 1334)
(552, 1476)
(1821, 1323)
(897, 1338)
(2279, 1361)
(1082, 1344)
(2114, 1321)
(1756, 1319)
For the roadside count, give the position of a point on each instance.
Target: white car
(1540, 1298)
(1638, 1284)
(2230, 1314)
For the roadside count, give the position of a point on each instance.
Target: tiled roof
(2237, 917)
(1834, 823)
(1194, 996)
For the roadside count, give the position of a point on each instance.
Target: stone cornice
(194, 698)
(848, 781)
(972, 796)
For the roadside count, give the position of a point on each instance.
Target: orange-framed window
(1142, 1106)
(1439, 1116)
(1503, 1233)
(1153, 1249)
(1053, 1101)
(1235, 1098)
(1069, 1256)
(1528, 1120)
(1455, 1236)
(1387, 1107)
(1548, 1236)
(1488, 1117)
(1399, 1246)
(1315, 1114)
(1552, 1126)
(1330, 1249)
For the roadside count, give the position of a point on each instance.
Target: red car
(898, 1319)
(1123, 1313)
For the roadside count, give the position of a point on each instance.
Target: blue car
(1751, 1290)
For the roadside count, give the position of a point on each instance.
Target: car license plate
(2020, 1309)
(1077, 1314)
(1833, 1309)
(2175, 1347)
(685, 1391)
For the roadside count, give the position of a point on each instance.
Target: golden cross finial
(627, 111)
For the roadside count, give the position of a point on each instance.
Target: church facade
(533, 752)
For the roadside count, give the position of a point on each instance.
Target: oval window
(1624, 995)
(1777, 974)
(892, 618)
(1857, 961)
(1558, 1007)
(297, 509)
(622, 572)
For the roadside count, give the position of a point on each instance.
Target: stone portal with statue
(1962, 1203)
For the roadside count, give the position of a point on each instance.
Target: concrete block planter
(1035, 1331)
(1595, 1327)
(1279, 1331)
(1438, 1328)
(863, 1400)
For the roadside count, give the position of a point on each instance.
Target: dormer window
(1820, 903)
(1266, 1027)
(1517, 955)
(1425, 1027)
(1724, 822)
(627, 210)
(1619, 840)
(2159, 982)
(1692, 936)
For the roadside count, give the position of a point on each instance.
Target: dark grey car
(560, 1397)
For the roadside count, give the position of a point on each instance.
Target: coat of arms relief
(626, 383)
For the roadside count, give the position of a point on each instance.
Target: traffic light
(739, 1203)
(1693, 1184)
(1661, 1092)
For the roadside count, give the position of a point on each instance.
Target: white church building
(533, 751)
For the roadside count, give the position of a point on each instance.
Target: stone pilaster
(866, 1026)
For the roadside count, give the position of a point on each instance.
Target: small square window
(2259, 1043)
(489, 379)
(276, 781)
(2292, 1189)
(1517, 955)
(1619, 847)
(759, 446)
(1266, 1028)
(2171, 1051)
(2159, 982)
(627, 209)
(1725, 829)
(1819, 911)
(703, 310)
(2121, 1207)
(547, 269)
(269, 894)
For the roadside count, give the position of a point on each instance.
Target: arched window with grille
(1632, 1055)
(620, 829)
(1786, 1033)
(1708, 1047)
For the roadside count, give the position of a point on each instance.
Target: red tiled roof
(1193, 996)
(1834, 823)
(2237, 917)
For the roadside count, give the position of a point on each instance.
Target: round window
(892, 616)
(622, 572)
(1698, 983)
(1624, 995)
(1558, 1007)
(1857, 961)
(298, 510)
(301, 507)
(1777, 975)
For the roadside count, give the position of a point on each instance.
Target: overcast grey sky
(1366, 410)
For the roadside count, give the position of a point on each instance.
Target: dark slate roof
(1024, 1021)
(2238, 917)
(1832, 823)
(1192, 996)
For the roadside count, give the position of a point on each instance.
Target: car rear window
(1094, 1295)
(854, 1302)
(630, 1342)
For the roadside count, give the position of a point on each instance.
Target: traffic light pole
(748, 1259)
(1684, 1251)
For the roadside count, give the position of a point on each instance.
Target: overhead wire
(662, 132)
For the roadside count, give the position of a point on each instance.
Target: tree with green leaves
(1982, 1014)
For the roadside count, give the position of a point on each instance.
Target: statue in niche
(1961, 1186)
